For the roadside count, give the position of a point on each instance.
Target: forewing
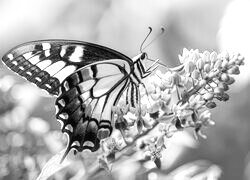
(47, 63)
(84, 107)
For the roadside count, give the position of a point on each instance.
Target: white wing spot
(75, 143)
(15, 63)
(34, 60)
(64, 116)
(66, 85)
(65, 72)
(38, 79)
(29, 73)
(63, 51)
(47, 53)
(88, 143)
(44, 64)
(55, 67)
(69, 127)
(77, 54)
(46, 46)
(61, 102)
(10, 56)
(27, 55)
(21, 67)
(48, 86)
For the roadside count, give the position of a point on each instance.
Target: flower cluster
(177, 99)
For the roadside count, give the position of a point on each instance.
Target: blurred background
(29, 133)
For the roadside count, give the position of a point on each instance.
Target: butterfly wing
(84, 106)
(47, 63)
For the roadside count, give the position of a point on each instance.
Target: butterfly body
(88, 80)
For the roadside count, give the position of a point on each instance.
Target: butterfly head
(140, 57)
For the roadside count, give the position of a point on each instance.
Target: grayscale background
(29, 132)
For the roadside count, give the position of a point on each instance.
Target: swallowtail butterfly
(88, 79)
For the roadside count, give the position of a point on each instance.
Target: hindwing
(87, 96)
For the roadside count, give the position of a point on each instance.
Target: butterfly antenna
(150, 31)
(157, 62)
(179, 68)
(161, 33)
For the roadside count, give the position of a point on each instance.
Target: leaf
(53, 166)
(157, 162)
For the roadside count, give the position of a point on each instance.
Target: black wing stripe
(33, 73)
(77, 96)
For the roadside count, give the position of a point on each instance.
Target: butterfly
(88, 80)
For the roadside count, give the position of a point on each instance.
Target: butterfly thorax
(137, 74)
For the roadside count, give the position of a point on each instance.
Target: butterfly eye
(143, 56)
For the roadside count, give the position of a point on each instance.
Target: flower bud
(208, 96)
(176, 78)
(213, 73)
(206, 56)
(223, 86)
(200, 64)
(226, 55)
(224, 64)
(240, 60)
(189, 67)
(213, 57)
(195, 74)
(230, 81)
(207, 68)
(218, 64)
(234, 70)
(210, 104)
(218, 90)
(225, 97)
(224, 77)
(195, 56)
(202, 83)
(232, 62)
